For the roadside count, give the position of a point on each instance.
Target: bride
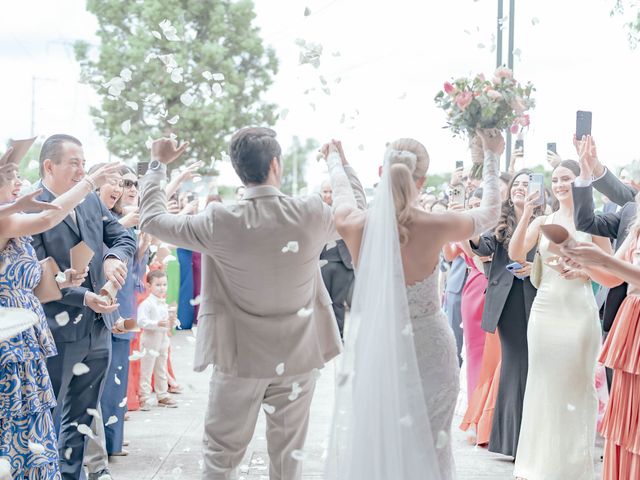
(398, 381)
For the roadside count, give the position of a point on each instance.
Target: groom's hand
(166, 150)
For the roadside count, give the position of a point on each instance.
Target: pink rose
(503, 72)
(448, 88)
(463, 100)
(515, 128)
(518, 105)
(524, 120)
(481, 77)
(494, 94)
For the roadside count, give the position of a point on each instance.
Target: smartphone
(459, 165)
(142, 168)
(583, 124)
(513, 267)
(191, 197)
(536, 184)
(551, 147)
(457, 195)
(519, 146)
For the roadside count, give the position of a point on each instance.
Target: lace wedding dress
(437, 364)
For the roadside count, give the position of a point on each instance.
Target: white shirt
(151, 311)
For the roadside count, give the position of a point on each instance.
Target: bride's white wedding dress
(397, 382)
(437, 364)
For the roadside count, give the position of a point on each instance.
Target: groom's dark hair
(252, 150)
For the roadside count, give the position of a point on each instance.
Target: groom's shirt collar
(262, 191)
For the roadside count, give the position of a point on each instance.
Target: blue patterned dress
(26, 395)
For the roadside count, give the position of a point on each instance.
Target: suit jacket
(500, 281)
(611, 225)
(96, 226)
(248, 322)
(457, 275)
(338, 254)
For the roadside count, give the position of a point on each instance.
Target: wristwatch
(157, 166)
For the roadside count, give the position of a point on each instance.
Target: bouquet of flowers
(478, 103)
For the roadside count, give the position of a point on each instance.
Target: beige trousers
(156, 341)
(232, 413)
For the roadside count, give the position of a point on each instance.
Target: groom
(266, 321)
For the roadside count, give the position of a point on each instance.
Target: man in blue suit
(86, 338)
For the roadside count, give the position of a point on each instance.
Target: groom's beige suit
(265, 319)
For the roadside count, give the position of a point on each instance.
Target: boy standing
(154, 319)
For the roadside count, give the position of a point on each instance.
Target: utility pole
(499, 48)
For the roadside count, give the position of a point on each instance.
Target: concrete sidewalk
(165, 443)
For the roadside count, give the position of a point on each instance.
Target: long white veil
(381, 428)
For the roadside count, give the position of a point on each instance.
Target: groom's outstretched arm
(193, 232)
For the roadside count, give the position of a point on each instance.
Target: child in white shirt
(155, 321)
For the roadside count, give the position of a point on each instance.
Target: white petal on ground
(126, 127)
(112, 419)
(80, 369)
(280, 369)
(268, 409)
(305, 312)
(62, 318)
(443, 438)
(36, 448)
(298, 455)
(123, 402)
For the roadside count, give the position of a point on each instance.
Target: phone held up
(583, 124)
(459, 164)
(551, 147)
(536, 184)
(142, 168)
(457, 195)
(519, 146)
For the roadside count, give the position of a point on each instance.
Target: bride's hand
(492, 140)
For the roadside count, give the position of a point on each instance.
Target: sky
(383, 63)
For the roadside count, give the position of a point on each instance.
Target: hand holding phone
(457, 195)
(583, 124)
(514, 268)
(536, 184)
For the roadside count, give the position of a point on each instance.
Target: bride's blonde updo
(408, 162)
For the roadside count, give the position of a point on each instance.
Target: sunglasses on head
(130, 183)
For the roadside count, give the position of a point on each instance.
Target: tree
(294, 163)
(631, 10)
(192, 68)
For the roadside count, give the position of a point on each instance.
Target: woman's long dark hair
(508, 222)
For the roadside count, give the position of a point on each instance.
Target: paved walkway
(165, 443)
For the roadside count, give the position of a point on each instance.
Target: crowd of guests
(102, 345)
(534, 327)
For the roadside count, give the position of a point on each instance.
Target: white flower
(63, 317)
(80, 369)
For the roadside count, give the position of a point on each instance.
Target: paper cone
(558, 237)
(80, 255)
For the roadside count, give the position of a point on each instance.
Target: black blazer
(96, 226)
(500, 281)
(338, 254)
(611, 225)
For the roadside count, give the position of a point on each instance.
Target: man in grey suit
(453, 299)
(337, 272)
(86, 338)
(613, 225)
(265, 322)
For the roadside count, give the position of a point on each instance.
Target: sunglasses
(130, 183)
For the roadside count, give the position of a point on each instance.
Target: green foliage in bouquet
(473, 103)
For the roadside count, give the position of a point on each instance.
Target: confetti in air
(80, 369)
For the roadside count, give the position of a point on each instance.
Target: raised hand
(338, 145)
(584, 254)
(107, 173)
(492, 140)
(28, 203)
(99, 304)
(115, 271)
(588, 157)
(73, 278)
(166, 150)
(131, 219)
(553, 158)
